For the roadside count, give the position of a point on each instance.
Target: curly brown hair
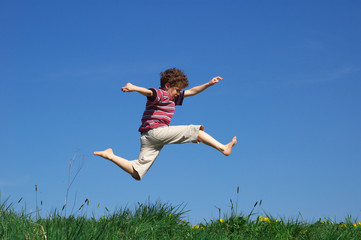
(175, 77)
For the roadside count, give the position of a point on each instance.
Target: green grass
(164, 221)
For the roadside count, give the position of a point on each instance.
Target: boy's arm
(131, 88)
(195, 90)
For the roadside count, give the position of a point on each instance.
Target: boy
(155, 130)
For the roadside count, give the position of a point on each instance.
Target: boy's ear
(167, 86)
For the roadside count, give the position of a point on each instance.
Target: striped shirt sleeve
(155, 98)
(179, 99)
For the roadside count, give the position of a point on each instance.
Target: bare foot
(107, 154)
(229, 146)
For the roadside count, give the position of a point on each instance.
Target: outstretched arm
(195, 90)
(132, 88)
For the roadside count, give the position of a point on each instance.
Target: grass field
(164, 221)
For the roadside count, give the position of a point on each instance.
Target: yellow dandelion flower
(342, 225)
(359, 223)
(261, 218)
(220, 220)
(195, 227)
(202, 228)
(355, 225)
(266, 219)
(169, 215)
(277, 221)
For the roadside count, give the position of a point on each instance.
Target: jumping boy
(155, 130)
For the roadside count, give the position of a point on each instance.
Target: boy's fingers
(216, 79)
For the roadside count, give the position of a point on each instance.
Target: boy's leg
(121, 162)
(210, 141)
(191, 133)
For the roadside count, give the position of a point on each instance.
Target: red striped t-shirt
(159, 109)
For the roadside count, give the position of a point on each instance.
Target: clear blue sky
(291, 94)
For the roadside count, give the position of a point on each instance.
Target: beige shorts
(154, 140)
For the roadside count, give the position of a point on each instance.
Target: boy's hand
(128, 88)
(215, 80)
(132, 88)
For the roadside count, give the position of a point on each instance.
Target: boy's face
(173, 91)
